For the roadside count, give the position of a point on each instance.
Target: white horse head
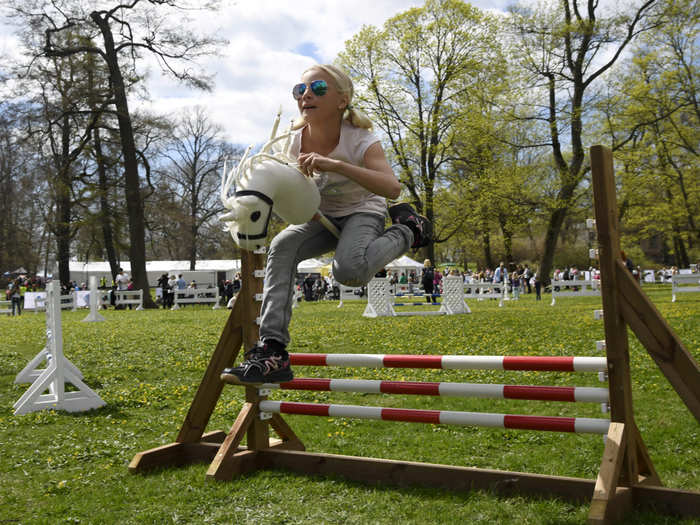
(266, 182)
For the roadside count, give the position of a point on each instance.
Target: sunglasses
(318, 87)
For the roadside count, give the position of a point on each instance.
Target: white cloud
(269, 41)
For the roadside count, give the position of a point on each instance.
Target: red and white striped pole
(491, 391)
(455, 362)
(546, 423)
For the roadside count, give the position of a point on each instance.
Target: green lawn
(72, 468)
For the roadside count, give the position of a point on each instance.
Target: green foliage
(60, 467)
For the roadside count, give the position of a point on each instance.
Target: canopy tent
(207, 271)
(310, 266)
(404, 263)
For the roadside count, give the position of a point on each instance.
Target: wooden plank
(459, 479)
(211, 386)
(647, 472)
(660, 341)
(177, 453)
(242, 462)
(406, 473)
(250, 286)
(284, 431)
(221, 466)
(665, 500)
(609, 474)
(616, 342)
(258, 432)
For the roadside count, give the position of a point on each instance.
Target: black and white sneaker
(421, 227)
(262, 364)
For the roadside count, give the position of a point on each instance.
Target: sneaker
(421, 227)
(262, 364)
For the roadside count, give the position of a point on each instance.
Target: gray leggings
(363, 249)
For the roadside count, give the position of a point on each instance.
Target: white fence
(196, 296)
(6, 307)
(486, 290)
(574, 289)
(127, 297)
(684, 283)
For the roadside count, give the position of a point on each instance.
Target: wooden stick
(609, 474)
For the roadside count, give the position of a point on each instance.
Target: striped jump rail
(479, 390)
(509, 421)
(445, 417)
(455, 362)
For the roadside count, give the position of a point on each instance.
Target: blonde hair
(343, 83)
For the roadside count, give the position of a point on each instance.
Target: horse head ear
(230, 216)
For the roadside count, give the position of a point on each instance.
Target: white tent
(208, 272)
(310, 266)
(404, 263)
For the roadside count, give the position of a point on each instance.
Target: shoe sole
(288, 375)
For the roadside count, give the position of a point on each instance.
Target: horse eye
(255, 216)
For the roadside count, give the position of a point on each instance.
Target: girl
(334, 143)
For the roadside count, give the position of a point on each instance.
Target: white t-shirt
(340, 195)
(122, 281)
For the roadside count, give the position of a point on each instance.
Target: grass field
(72, 468)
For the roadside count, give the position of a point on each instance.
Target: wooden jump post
(626, 477)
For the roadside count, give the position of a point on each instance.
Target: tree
(413, 77)
(126, 30)
(23, 236)
(653, 121)
(563, 50)
(195, 160)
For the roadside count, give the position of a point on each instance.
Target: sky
(270, 43)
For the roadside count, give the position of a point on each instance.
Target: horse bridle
(268, 201)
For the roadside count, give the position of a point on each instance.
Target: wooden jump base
(626, 479)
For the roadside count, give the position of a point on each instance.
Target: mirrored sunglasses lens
(319, 87)
(298, 91)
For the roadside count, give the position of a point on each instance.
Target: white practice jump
(487, 290)
(196, 296)
(684, 283)
(127, 297)
(5, 307)
(574, 289)
(57, 373)
(95, 301)
(380, 302)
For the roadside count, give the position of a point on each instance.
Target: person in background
(172, 286)
(428, 280)
(164, 288)
(15, 295)
(122, 280)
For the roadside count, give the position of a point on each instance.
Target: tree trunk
(105, 210)
(63, 206)
(486, 242)
(556, 219)
(507, 240)
(134, 203)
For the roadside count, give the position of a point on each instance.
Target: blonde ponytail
(357, 118)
